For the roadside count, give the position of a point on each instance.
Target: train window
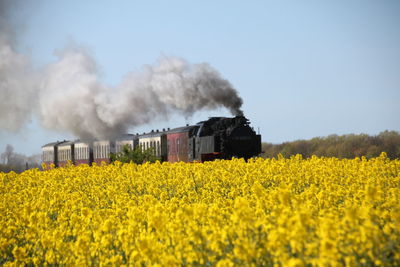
(178, 146)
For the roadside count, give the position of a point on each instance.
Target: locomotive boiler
(224, 138)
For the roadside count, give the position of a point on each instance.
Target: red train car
(179, 144)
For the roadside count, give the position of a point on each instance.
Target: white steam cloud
(16, 79)
(68, 95)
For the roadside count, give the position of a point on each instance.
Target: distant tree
(11, 161)
(344, 146)
(136, 155)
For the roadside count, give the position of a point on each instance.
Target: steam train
(215, 138)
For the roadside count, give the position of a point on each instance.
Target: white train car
(50, 154)
(156, 140)
(66, 153)
(83, 153)
(102, 150)
(128, 139)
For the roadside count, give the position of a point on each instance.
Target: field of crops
(268, 212)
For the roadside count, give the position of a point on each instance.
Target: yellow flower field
(266, 212)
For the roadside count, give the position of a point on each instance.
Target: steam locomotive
(215, 138)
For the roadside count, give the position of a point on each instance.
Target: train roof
(67, 143)
(83, 142)
(153, 134)
(54, 143)
(125, 137)
(181, 129)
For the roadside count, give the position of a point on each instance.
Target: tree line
(11, 161)
(340, 146)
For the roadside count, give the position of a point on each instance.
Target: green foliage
(344, 146)
(136, 155)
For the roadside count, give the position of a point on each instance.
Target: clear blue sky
(303, 68)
